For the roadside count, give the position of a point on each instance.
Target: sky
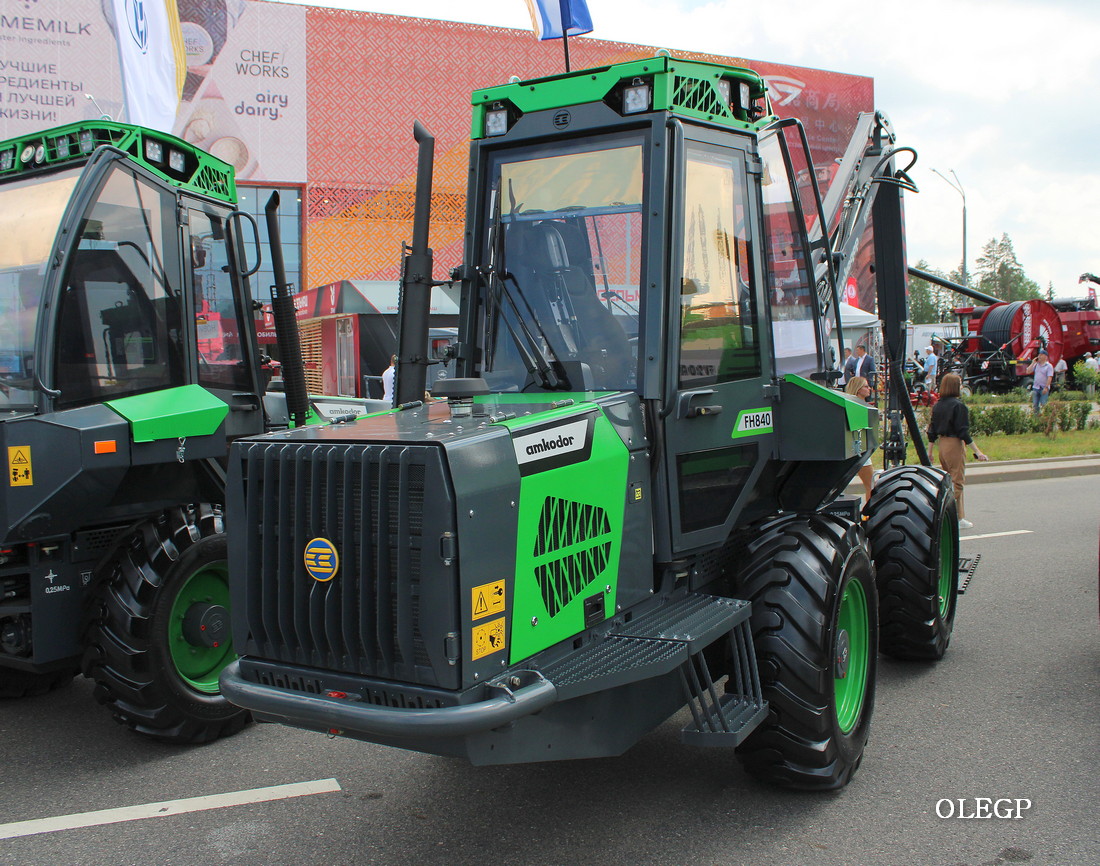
(1002, 93)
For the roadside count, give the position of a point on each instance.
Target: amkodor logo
(322, 560)
(139, 24)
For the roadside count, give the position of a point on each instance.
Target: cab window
(120, 319)
(718, 334)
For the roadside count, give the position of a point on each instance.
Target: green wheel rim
(854, 623)
(948, 567)
(199, 666)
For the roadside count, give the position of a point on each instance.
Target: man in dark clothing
(860, 364)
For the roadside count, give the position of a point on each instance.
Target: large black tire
(149, 664)
(815, 629)
(912, 523)
(25, 684)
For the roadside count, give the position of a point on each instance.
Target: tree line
(998, 273)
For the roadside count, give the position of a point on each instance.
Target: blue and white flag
(553, 19)
(150, 53)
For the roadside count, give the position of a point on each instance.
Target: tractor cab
(653, 228)
(121, 273)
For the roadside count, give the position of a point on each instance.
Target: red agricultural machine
(1000, 339)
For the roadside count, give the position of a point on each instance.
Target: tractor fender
(312, 710)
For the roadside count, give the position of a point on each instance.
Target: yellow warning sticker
(488, 638)
(19, 466)
(487, 599)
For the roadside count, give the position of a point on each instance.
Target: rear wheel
(158, 634)
(912, 523)
(815, 630)
(25, 684)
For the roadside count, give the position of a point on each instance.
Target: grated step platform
(967, 567)
(650, 645)
(697, 620)
(735, 717)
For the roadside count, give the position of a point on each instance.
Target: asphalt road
(1013, 711)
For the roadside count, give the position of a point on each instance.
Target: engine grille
(373, 617)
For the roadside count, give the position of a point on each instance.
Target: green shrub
(1085, 376)
(1080, 415)
(980, 422)
(1009, 419)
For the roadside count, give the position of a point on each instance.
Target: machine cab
(121, 274)
(665, 253)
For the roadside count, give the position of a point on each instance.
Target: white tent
(859, 327)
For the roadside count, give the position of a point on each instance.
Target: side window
(217, 320)
(718, 334)
(120, 318)
(794, 324)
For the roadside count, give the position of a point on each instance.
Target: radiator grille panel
(369, 501)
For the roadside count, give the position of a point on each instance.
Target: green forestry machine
(128, 362)
(631, 500)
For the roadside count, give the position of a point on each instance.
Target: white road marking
(168, 807)
(996, 534)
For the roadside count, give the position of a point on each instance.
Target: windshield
(564, 250)
(30, 211)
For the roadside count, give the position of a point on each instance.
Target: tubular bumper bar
(297, 708)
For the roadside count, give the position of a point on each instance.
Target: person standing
(1060, 372)
(1091, 362)
(950, 430)
(1043, 372)
(857, 386)
(861, 364)
(844, 376)
(931, 362)
(387, 380)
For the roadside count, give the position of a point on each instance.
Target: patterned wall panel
(372, 75)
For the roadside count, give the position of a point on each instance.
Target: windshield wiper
(539, 367)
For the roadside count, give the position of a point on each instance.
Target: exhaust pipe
(286, 323)
(416, 282)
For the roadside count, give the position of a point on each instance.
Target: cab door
(225, 339)
(718, 429)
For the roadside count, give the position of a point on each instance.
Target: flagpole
(564, 15)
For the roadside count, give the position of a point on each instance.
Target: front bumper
(521, 694)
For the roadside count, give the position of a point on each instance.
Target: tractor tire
(157, 632)
(815, 629)
(912, 523)
(26, 684)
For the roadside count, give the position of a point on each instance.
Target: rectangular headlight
(7, 160)
(496, 122)
(64, 147)
(154, 150)
(87, 141)
(746, 96)
(723, 85)
(176, 160)
(636, 98)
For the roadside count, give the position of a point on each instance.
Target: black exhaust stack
(286, 323)
(416, 282)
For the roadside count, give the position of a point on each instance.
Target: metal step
(614, 661)
(697, 620)
(967, 567)
(656, 642)
(734, 718)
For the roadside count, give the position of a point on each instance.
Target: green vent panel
(571, 550)
(699, 95)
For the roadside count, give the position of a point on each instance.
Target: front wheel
(912, 523)
(158, 634)
(815, 630)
